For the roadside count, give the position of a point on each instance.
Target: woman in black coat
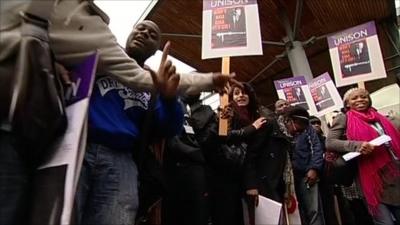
(265, 163)
(225, 183)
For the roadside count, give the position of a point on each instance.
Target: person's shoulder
(98, 11)
(340, 119)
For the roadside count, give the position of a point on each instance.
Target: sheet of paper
(350, 155)
(377, 141)
(380, 140)
(267, 212)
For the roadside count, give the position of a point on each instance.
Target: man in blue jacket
(307, 161)
(108, 187)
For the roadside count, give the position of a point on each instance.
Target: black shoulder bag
(37, 109)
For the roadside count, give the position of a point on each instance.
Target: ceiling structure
(181, 23)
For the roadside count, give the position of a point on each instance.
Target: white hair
(349, 92)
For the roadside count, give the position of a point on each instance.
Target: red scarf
(243, 115)
(359, 129)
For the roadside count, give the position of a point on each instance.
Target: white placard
(356, 55)
(325, 96)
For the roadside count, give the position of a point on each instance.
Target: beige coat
(77, 29)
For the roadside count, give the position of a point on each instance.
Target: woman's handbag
(234, 154)
(339, 171)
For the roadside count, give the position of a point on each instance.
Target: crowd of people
(203, 176)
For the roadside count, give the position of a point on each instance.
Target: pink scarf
(359, 129)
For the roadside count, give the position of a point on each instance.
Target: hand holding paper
(377, 142)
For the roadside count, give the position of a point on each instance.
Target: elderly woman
(378, 174)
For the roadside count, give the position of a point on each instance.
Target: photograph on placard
(295, 96)
(229, 28)
(354, 58)
(322, 98)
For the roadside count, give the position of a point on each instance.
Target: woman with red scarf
(378, 174)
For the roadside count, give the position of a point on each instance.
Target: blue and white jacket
(117, 113)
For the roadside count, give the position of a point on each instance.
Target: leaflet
(377, 142)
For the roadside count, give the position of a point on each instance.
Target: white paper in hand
(380, 140)
(267, 212)
(377, 142)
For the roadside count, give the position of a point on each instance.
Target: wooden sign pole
(224, 99)
(361, 84)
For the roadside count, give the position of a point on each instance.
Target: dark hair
(298, 113)
(252, 107)
(190, 99)
(314, 119)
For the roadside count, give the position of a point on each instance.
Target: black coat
(185, 147)
(265, 161)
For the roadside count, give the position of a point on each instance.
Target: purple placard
(82, 77)
(290, 82)
(218, 4)
(352, 34)
(320, 80)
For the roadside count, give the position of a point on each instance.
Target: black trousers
(353, 212)
(186, 200)
(328, 203)
(225, 199)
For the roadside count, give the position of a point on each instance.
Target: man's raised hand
(166, 80)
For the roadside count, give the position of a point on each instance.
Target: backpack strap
(40, 9)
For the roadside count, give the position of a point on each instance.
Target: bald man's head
(144, 40)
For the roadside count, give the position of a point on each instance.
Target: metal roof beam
(297, 18)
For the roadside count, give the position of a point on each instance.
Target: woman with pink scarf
(378, 175)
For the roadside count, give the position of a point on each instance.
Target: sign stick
(361, 84)
(224, 99)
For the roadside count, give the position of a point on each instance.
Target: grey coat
(336, 139)
(77, 29)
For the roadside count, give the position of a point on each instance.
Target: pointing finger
(165, 52)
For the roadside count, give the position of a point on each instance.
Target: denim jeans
(309, 202)
(386, 215)
(107, 191)
(15, 180)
